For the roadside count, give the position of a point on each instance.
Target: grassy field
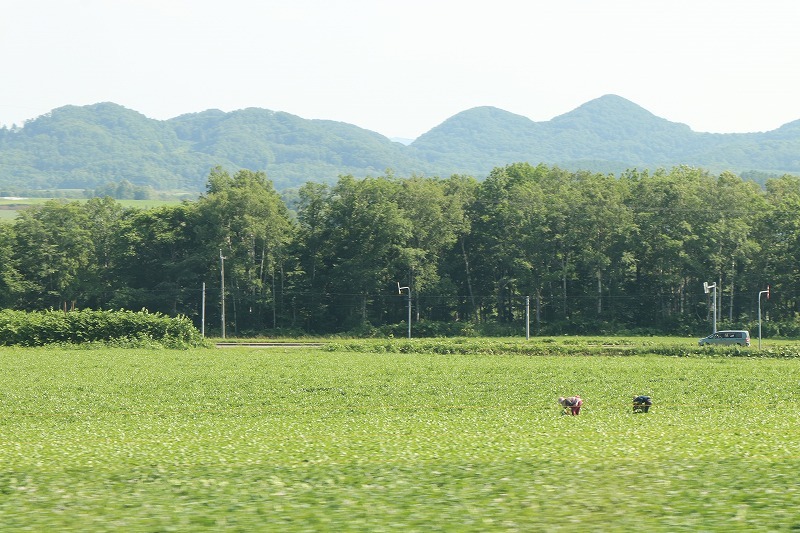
(310, 439)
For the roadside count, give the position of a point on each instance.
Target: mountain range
(84, 147)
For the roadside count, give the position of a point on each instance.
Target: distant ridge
(83, 147)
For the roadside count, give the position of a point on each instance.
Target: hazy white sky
(401, 67)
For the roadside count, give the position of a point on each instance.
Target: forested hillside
(91, 146)
(593, 252)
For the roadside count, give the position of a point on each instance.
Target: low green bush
(117, 328)
(572, 346)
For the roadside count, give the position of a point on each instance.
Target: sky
(401, 67)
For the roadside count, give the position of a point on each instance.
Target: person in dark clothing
(642, 404)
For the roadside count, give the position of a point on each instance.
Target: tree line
(572, 251)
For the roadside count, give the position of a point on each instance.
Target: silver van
(729, 337)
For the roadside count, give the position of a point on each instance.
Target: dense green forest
(91, 147)
(593, 252)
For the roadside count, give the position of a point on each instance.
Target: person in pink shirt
(572, 404)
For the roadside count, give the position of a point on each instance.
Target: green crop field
(334, 440)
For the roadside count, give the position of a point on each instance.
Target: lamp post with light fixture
(707, 287)
(759, 313)
(400, 291)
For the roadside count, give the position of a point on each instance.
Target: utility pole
(527, 318)
(203, 313)
(222, 284)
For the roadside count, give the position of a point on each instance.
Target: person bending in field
(571, 405)
(642, 404)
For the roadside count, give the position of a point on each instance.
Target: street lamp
(759, 313)
(706, 288)
(400, 291)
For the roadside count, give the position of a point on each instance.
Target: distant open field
(9, 208)
(301, 439)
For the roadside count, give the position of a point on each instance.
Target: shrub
(88, 326)
(581, 346)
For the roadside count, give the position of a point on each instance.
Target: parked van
(735, 337)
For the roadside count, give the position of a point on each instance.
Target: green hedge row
(537, 347)
(40, 328)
